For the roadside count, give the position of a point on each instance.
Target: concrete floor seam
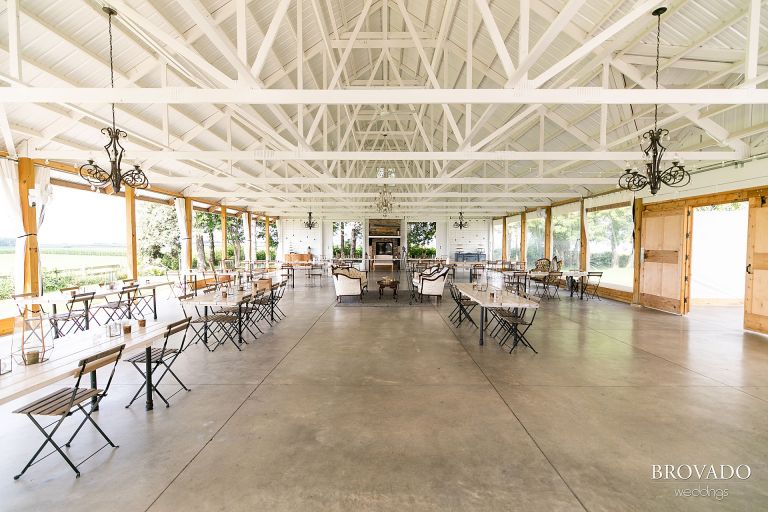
(191, 460)
(517, 418)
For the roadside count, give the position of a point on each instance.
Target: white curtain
(9, 194)
(181, 218)
(43, 195)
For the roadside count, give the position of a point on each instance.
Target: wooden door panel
(662, 260)
(756, 299)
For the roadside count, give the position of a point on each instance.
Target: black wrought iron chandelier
(654, 175)
(385, 203)
(461, 223)
(98, 177)
(309, 223)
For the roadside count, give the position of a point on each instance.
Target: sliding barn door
(756, 299)
(663, 264)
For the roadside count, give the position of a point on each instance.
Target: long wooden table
(503, 299)
(70, 350)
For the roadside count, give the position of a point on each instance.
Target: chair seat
(68, 316)
(57, 403)
(156, 355)
(110, 305)
(214, 319)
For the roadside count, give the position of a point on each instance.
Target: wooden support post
(504, 238)
(188, 230)
(583, 238)
(223, 235)
(548, 232)
(638, 238)
(522, 238)
(130, 232)
(267, 240)
(29, 217)
(248, 228)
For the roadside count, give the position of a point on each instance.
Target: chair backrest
(23, 308)
(80, 298)
(542, 265)
(128, 293)
(69, 289)
(176, 327)
(93, 363)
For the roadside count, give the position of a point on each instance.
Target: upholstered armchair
(428, 272)
(355, 274)
(347, 286)
(432, 285)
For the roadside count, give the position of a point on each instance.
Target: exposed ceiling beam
(253, 96)
(318, 195)
(279, 156)
(300, 180)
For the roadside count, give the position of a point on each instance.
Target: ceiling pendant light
(461, 223)
(100, 178)
(309, 223)
(384, 203)
(653, 176)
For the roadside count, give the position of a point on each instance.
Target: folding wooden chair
(211, 328)
(64, 402)
(121, 308)
(591, 278)
(161, 356)
(75, 318)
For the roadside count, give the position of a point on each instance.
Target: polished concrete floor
(393, 408)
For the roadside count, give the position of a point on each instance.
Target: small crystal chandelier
(97, 177)
(384, 203)
(309, 223)
(461, 223)
(654, 175)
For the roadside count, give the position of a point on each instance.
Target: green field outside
(68, 257)
(65, 266)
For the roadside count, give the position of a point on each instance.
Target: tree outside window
(566, 239)
(534, 240)
(260, 239)
(513, 238)
(610, 245)
(350, 239)
(421, 239)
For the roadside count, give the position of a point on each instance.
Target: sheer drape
(181, 218)
(9, 194)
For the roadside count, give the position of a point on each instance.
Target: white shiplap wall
(294, 237)
(470, 238)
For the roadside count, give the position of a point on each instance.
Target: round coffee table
(388, 283)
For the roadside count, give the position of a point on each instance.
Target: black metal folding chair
(161, 356)
(66, 401)
(118, 309)
(212, 329)
(75, 318)
(593, 280)
(464, 307)
(516, 323)
(553, 282)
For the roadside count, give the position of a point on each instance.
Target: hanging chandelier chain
(111, 66)
(658, 49)
(115, 177)
(654, 174)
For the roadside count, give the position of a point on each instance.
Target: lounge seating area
(374, 256)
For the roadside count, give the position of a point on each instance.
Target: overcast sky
(78, 217)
